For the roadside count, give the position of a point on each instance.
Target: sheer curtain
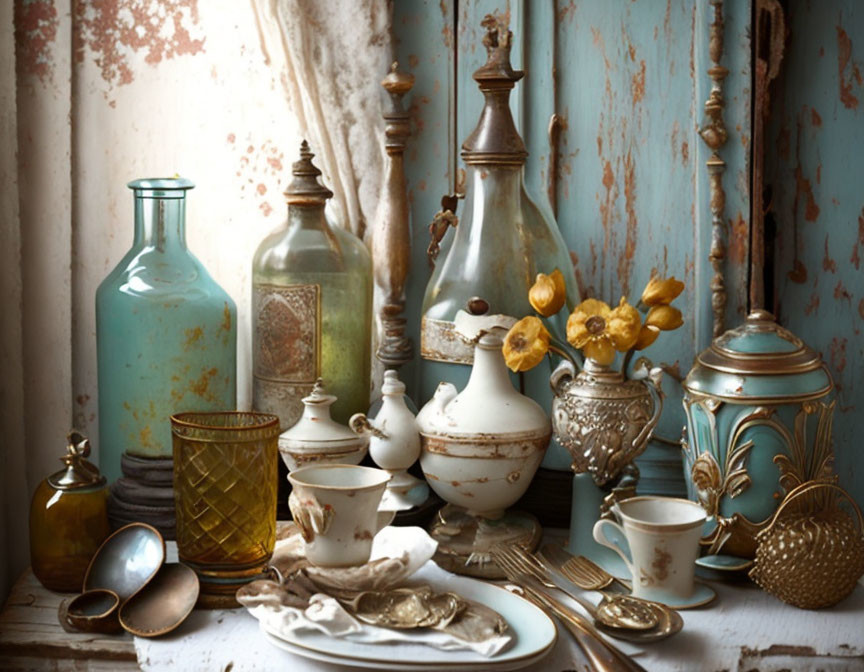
(93, 95)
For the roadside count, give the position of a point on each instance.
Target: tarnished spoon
(163, 604)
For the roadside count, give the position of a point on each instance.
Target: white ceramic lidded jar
(316, 437)
(481, 448)
(394, 443)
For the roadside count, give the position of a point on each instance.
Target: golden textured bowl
(811, 554)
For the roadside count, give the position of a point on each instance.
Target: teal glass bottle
(166, 333)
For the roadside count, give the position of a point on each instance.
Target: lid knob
(761, 315)
(392, 384)
(78, 471)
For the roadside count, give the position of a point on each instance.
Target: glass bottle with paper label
(311, 307)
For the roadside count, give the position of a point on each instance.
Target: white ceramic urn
(482, 446)
(317, 438)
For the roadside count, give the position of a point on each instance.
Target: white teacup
(336, 508)
(658, 539)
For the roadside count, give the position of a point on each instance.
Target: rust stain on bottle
(201, 386)
(226, 317)
(145, 436)
(193, 336)
(813, 305)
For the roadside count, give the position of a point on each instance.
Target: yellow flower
(666, 318)
(624, 323)
(548, 293)
(598, 330)
(661, 291)
(647, 335)
(526, 344)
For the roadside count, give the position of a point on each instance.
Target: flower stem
(564, 352)
(627, 359)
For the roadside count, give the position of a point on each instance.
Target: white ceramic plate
(534, 636)
(397, 666)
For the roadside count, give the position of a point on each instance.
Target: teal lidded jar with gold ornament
(758, 424)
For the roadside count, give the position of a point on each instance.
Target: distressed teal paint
(581, 59)
(631, 87)
(814, 163)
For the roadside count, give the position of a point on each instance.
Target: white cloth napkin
(326, 614)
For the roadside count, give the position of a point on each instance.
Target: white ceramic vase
(480, 450)
(394, 443)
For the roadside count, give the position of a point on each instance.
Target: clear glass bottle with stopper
(502, 241)
(312, 307)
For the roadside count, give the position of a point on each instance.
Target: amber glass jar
(68, 519)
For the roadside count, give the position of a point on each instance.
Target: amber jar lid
(78, 472)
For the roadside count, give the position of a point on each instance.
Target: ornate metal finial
(498, 39)
(305, 189)
(496, 140)
(391, 236)
(77, 471)
(714, 134)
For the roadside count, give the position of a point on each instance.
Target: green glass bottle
(311, 307)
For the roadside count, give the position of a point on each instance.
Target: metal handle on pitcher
(656, 393)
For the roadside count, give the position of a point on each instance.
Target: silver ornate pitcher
(602, 418)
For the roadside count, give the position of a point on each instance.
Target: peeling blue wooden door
(814, 168)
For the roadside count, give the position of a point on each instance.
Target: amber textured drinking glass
(225, 482)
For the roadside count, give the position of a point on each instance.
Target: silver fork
(591, 574)
(602, 655)
(613, 611)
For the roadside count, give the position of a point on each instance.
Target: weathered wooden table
(744, 630)
(31, 637)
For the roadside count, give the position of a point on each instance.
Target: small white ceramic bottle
(394, 442)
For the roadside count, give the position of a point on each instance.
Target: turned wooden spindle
(391, 237)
